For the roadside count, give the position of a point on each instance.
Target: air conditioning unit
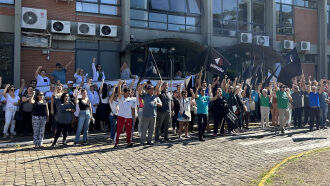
(262, 40)
(305, 46)
(108, 30)
(86, 29)
(62, 27)
(34, 18)
(246, 38)
(288, 44)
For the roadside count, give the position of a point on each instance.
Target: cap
(70, 82)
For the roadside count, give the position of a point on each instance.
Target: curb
(276, 167)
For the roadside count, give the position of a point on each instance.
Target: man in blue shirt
(60, 73)
(314, 104)
(202, 102)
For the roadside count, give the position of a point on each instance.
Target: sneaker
(282, 131)
(84, 143)
(65, 143)
(5, 135)
(214, 135)
(201, 139)
(150, 143)
(116, 146)
(187, 136)
(325, 127)
(53, 145)
(14, 133)
(130, 145)
(11, 136)
(180, 137)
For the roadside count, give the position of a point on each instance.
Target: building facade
(176, 31)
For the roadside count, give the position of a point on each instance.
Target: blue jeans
(323, 115)
(83, 123)
(113, 123)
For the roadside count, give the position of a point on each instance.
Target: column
(126, 30)
(17, 43)
(207, 22)
(322, 62)
(271, 20)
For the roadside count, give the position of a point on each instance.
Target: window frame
(99, 3)
(280, 25)
(236, 24)
(185, 15)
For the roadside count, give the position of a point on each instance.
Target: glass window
(180, 28)
(217, 6)
(287, 2)
(108, 9)
(161, 26)
(178, 5)
(87, 7)
(142, 4)
(113, 2)
(229, 10)
(160, 5)
(193, 21)
(242, 10)
(172, 15)
(299, 2)
(7, 1)
(158, 17)
(139, 14)
(194, 6)
(141, 24)
(284, 18)
(176, 19)
(7, 58)
(193, 29)
(258, 12)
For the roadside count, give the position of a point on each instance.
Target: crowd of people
(152, 110)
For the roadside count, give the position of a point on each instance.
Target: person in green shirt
(283, 97)
(264, 106)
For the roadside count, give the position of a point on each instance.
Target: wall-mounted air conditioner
(34, 18)
(62, 27)
(288, 44)
(108, 30)
(86, 29)
(305, 46)
(246, 38)
(262, 40)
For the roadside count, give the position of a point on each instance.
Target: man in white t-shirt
(42, 79)
(126, 114)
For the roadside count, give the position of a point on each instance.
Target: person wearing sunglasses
(40, 115)
(12, 101)
(63, 117)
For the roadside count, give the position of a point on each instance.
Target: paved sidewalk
(232, 160)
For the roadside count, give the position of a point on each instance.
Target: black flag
(217, 63)
(268, 80)
(150, 68)
(292, 69)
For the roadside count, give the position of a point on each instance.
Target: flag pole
(152, 55)
(171, 61)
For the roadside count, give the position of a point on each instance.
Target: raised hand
(94, 59)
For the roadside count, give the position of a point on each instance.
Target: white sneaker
(187, 136)
(14, 133)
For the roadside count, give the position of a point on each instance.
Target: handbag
(18, 114)
(186, 115)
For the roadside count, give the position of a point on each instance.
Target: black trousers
(219, 120)
(202, 125)
(26, 125)
(297, 117)
(175, 123)
(192, 121)
(306, 115)
(64, 128)
(314, 113)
